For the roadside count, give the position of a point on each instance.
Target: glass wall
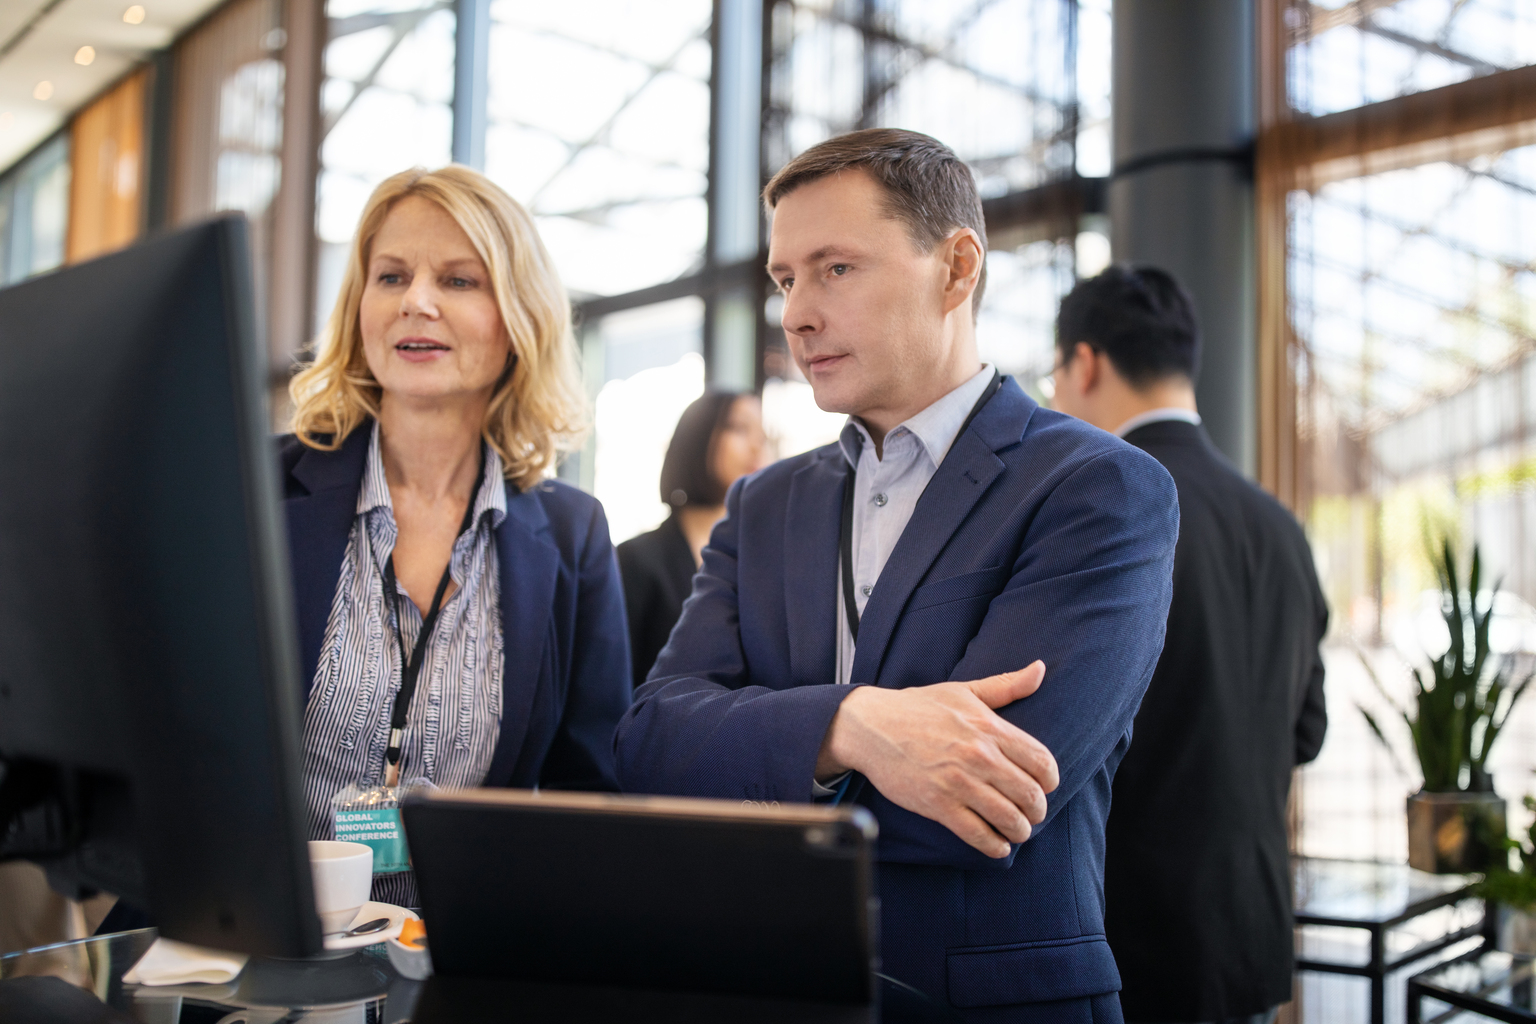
(1412, 297)
(1415, 300)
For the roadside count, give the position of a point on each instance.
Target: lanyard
(845, 535)
(410, 666)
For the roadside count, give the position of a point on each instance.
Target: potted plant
(1514, 892)
(1456, 823)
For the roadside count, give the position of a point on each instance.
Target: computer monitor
(149, 679)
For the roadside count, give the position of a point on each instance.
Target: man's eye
(839, 269)
(786, 284)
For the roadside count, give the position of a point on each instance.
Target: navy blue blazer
(1039, 537)
(566, 679)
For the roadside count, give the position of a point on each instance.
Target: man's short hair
(1140, 317)
(926, 186)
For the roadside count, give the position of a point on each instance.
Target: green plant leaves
(1459, 706)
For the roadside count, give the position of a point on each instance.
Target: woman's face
(431, 328)
(740, 447)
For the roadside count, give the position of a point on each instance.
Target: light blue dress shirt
(885, 492)
(886, 489)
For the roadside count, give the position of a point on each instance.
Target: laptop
(555, 894)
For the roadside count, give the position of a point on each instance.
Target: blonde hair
(538, 409)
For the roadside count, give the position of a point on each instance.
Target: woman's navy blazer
(566, 677)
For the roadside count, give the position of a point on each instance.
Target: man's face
(863, 306)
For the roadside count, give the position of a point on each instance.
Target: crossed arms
(966, 770)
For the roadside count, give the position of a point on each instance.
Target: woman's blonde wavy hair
(538, 409)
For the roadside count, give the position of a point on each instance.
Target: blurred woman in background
(719, 439)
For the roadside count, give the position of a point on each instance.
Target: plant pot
(1517, 930)
(1456, 833)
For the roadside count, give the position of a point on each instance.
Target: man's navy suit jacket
(1039, 537)
(565, 677)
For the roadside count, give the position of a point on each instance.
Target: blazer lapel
(967, 471)
(319, 524)
(812, 521)
(530, 564)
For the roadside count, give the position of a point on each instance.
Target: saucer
(370, 912)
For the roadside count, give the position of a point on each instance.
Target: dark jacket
(1039, 537)
(658, 574)
(1197, 880)
(565, 682)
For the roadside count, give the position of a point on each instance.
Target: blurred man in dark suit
(1197, 880)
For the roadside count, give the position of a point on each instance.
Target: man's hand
(943, 752)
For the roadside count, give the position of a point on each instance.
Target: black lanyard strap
(845, 534)
(410, 665)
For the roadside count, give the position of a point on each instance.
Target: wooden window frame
(1295, 151)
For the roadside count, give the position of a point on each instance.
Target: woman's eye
(460, 282)
(389, 279)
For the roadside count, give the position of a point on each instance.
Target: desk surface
(1365, 893)
(1492, 983)
(75, 979)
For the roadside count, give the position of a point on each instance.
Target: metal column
(1182, 194)
(735, 214)
(471, 74)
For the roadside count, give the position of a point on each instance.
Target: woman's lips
(420, 350)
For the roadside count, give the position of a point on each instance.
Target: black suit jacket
(1197, 875)
(658, 570)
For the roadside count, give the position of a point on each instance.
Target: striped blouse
(455, 714)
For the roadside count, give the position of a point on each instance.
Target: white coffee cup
(343, 874)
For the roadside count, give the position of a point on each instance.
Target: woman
(424, 530)
(718, 440)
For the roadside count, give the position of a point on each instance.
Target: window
(599, 124)
(1397, 171)
(34, 212)
(1349, 54)
(385, 106)
(1018, 88)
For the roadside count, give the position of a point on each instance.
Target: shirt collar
(492, 496)
(1163, 415)
(936, 427)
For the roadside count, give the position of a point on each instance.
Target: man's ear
(964, 258)
(1089, 364)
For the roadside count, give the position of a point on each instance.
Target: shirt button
(881, 499)
(866, 590)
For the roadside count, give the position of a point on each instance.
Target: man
(983, 552)
(1197, 881)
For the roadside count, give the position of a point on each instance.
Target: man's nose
(800, 314)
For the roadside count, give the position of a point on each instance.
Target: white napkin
(176, 963)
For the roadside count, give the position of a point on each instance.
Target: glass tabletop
(1366, 892)
(357, 988)
(1501, 980)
